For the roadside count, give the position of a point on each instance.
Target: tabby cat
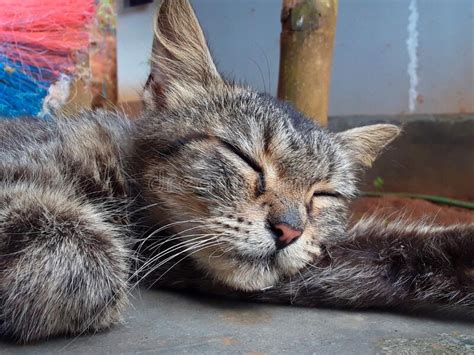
(215, 188)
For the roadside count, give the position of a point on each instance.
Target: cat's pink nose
(285, 234)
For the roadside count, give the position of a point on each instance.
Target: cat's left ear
(366, 143)
(181, 64)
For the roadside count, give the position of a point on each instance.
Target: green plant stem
(432, 198)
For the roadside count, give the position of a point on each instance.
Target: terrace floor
(166, 323)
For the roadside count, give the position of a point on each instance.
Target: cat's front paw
(64, 272)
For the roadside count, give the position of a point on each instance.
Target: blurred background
(407, 62)
(370, 63)
(344, 63)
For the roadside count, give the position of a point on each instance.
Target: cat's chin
(249, 275)
(249, 278)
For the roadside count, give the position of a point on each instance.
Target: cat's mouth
(245, 259)
(252, 272)
(269, 258)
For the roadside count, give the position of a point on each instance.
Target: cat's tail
(394, 264)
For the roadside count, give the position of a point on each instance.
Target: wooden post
(306, 47)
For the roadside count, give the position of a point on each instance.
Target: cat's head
(248, 187)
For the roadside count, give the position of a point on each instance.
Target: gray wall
(370, 60)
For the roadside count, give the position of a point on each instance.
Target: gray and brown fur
(186, 197)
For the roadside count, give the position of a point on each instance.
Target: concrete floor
(168, 323)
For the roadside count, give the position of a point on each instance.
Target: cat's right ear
(366, 143)
(181, 64)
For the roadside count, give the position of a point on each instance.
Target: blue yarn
(22, 89)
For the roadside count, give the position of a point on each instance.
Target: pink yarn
(45, 33)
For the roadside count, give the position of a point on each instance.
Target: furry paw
(63, 269)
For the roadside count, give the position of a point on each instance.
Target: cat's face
(245, 185)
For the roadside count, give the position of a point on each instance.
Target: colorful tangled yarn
(39, 43)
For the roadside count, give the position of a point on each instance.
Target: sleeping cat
(215, 188)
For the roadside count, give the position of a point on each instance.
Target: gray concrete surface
(168, 323)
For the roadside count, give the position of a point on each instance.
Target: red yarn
(45, 33)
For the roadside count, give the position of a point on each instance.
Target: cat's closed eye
(260, 189)
(326, 194)
(248, 160)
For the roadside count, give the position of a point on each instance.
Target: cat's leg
(392, 265)
(63, 268)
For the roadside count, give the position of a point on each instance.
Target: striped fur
(185, 197)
